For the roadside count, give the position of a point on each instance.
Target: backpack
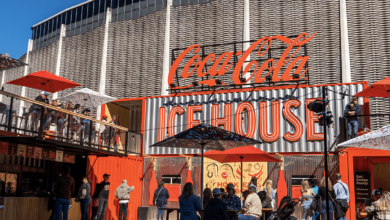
(285, 209)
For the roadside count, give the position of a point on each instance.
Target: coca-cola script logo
(223, 63)
(224, 175)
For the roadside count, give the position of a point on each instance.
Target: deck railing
(25, 116)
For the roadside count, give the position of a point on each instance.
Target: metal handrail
(62, 110)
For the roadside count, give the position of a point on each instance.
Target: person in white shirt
(252, 206)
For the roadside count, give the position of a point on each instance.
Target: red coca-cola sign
(224, 175)
(252, 71)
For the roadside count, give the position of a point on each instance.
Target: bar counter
(32, 208)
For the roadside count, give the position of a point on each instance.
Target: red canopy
(378, 89)
(246, 153)
(45, 81)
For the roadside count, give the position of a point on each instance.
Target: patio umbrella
(203, 137)
(241, 154)
(87, 98)
(7, 62)
(378, 139)
(45, 81)
(378, 89)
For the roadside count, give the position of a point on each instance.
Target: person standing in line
(216, 208)
(232, 201)
(161, 196)
(84, 196)
(189, 203)
(375, 196)
(322, 194)
(306, 199)
(63, 189)
(102, 191)
(122, 194)
(342, 194)
(206, 196)
(380, 208)
(252, 207)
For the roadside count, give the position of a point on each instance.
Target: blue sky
(18, 18)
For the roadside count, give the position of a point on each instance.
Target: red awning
(378, 89)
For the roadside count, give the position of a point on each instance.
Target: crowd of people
(64, 186)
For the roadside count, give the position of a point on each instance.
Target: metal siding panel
(281, 145)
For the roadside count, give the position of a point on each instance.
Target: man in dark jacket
(101, 193)
(352, 109)
(37, 108)
(160, 199)
(63, 188)
(216, 208)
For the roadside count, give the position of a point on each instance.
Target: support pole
(201, 182)
(242, 172)
(325, 152)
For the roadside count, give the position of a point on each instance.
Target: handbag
(83, 193)
(155, 201)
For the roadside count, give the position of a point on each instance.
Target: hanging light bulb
(242, 117)
(133, 137)
(167, 133)
(173, 163)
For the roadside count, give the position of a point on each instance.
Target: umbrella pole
(201, 186)
(242, 170)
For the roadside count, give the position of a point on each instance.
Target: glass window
(38, 31)
(55, 23)
(59, 21)
(128, 2)
(85, 10)
(108, 4)
(73, 16)
(11, 182)
(121, 3)
(49, 27)
(96, 8)
(90, 9)
(45, 28)
(114, 4)
(78, 13)
(68, 15)
(135, 1)
(63, 18)
(102, 9)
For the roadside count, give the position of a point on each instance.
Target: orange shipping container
(129, 168)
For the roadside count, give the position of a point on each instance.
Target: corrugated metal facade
(368, 25)
(119, 168)
(336, 105)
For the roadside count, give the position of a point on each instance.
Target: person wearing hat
(36, 109)
(375, 196)
(252, 208)
(232, 201)
(102, 191)
(122, 194)
(351, 110)
(216, 209)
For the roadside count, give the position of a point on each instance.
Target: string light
(133, 137)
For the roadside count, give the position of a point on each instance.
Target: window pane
(55, 23)
(59, 21)
(84, 14)
(121, 3)
(96, 8)
(68, 16)
(63, 18)
(11, 182)
(73, 16)
(108, 4)
(78, 13)
(40, 30)
(90, 9)
(102, 4)
(46, 28)
(49, 26)
(134, 1)
(114, 4)
(128, 2)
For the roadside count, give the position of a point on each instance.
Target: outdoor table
(169, 210)
(235, 213)
(263, 210)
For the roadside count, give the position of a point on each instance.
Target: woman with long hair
(253, 182)
(206, 196)
(307, 195)
(189, 203)
(381, 208)
(270, 196)
(161, 196)
(322, 194)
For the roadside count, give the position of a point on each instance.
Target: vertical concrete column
(29, 49)
(102, 83)
(164, 79)
(62, 34)
(246, 34)
(345, 59)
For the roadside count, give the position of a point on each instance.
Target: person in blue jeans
(189, 203)
(322, 194)
(314, 187)
(161, 196)
(352, 109)
(63, 188)
(341, 191)
(84, 196)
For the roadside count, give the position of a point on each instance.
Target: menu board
(362, 186)
(48, 154)
(59, 156)
(37, 153)
(30, 151)
(4, 147)
(22, 150)
(69, 158)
